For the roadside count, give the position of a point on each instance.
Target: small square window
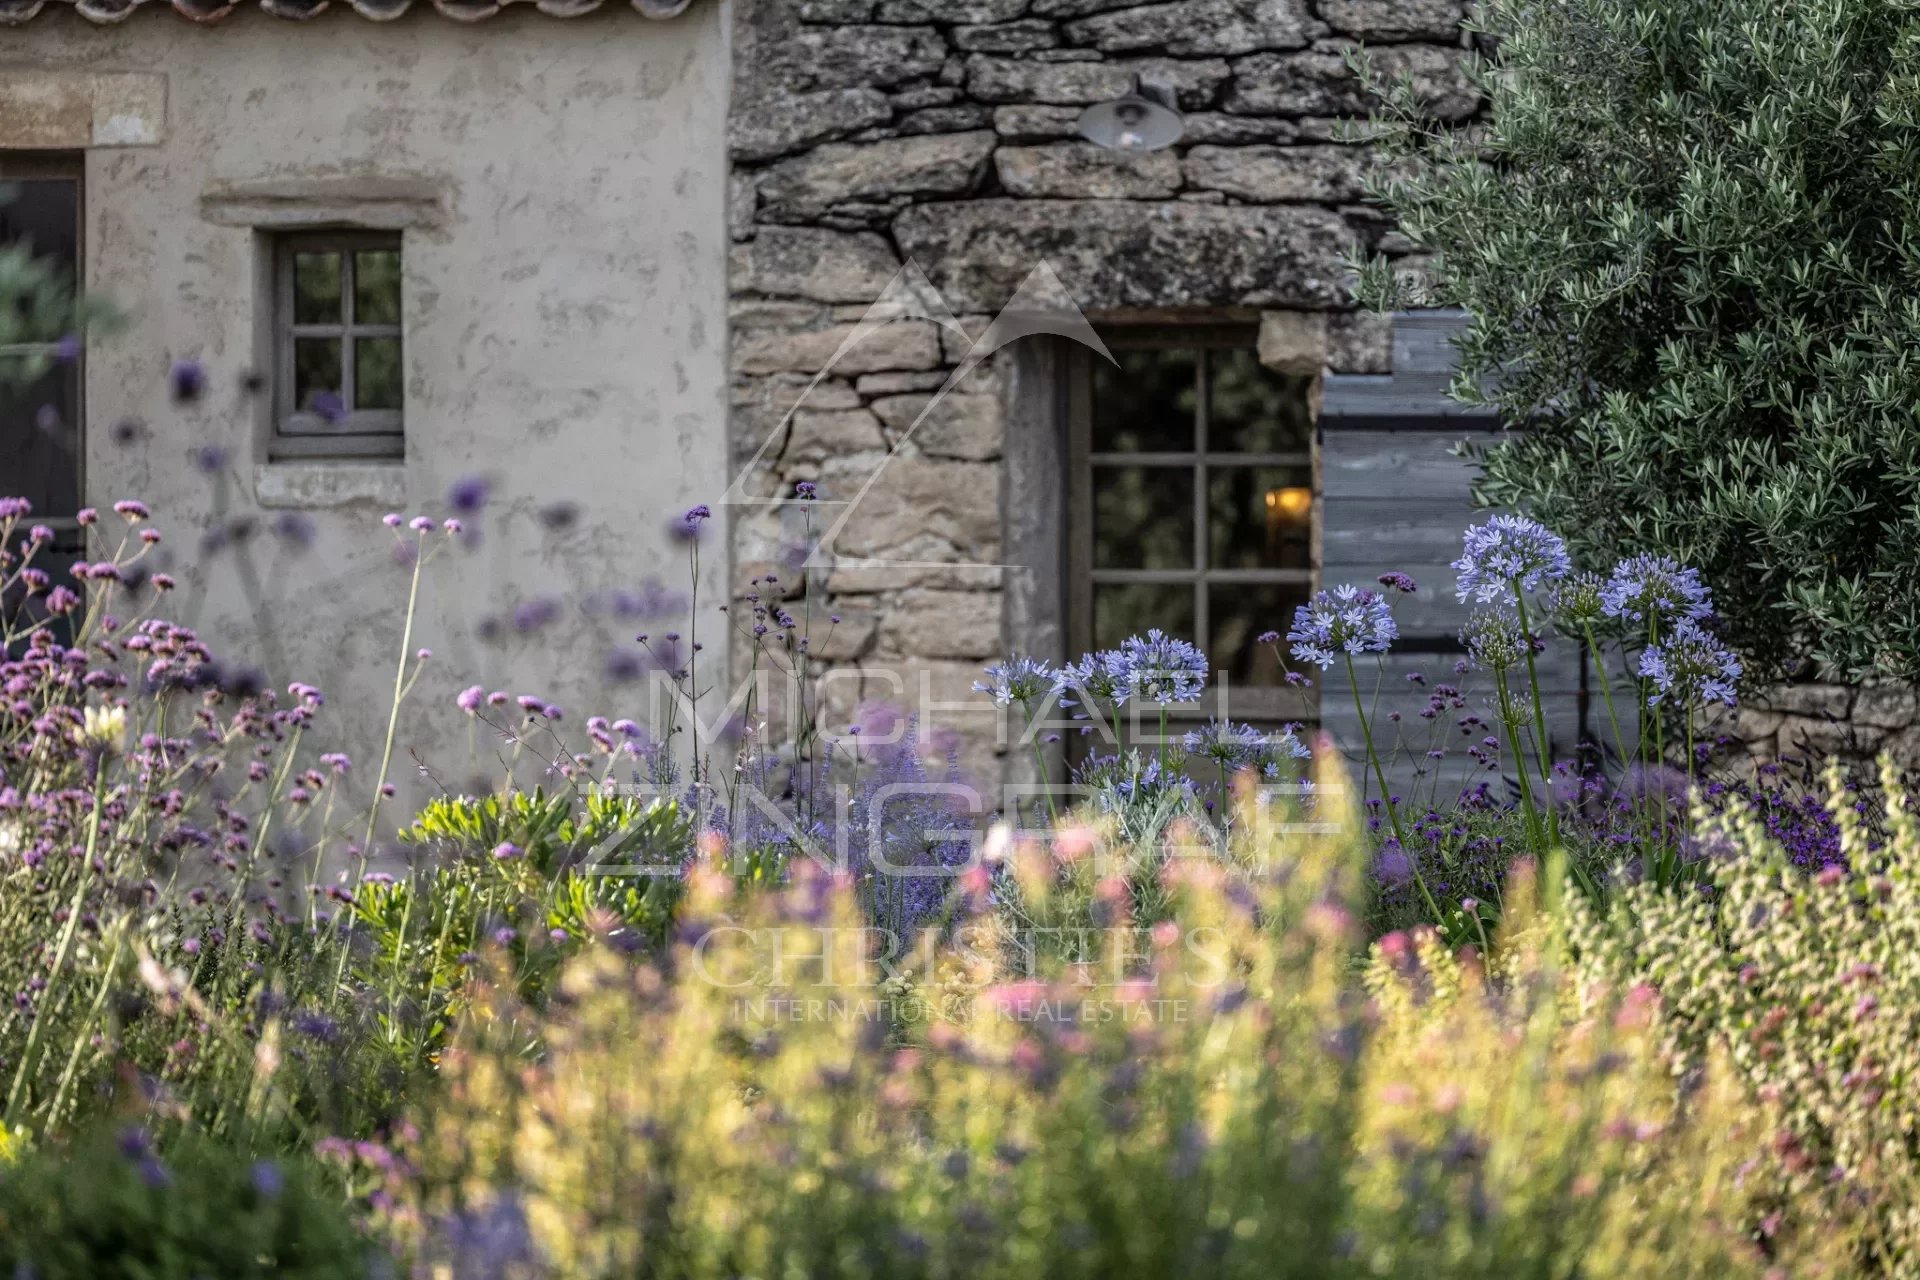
(339, 364)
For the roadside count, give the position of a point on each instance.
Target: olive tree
(1686, 234)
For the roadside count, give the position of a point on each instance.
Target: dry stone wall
(867, 133)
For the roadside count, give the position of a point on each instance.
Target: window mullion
(1203, 367)
(346, 389)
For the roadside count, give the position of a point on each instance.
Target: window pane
(376, 373)
(1149, 402)
(1239, 613)
(316, 288)
(39, 439)
(1125, 609)
(40, 399)
(1142, 518)
(1254, 409)
(316, 372)
(376, 286)
(1260, 517)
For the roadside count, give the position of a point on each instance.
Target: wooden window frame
(1268, 704)
(42, 166)
(299, 433)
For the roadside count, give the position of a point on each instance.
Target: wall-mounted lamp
(1143, 120)
(1290, 504)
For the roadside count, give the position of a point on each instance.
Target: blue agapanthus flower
(1506, 550)
(1345, 620)
(1689, 665)
(1096, 677)
(1655, 588)
(1241, 746)
(1160, 669)
(1019, 679)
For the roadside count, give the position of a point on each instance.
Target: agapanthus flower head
(1689, 665)
(1506, 551)
(1097, 675)
(1650, 588)
(1158, 668)
(1019, 679)
(1345, 620)
(1494, 639)
(1578, 601)
(1241, 746)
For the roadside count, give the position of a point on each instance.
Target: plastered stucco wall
(563, 184)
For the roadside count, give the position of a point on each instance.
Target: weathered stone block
(965, 425)
(1293, 341)
(804, 262)
(835, 11)
(1827, 701)
(1321, 84)
(1032, 123)
(937, 164)
(1006, 37)
(1234, 131)
(1886, 706)
(1118, 253)
(904, 344)
(893, 384)
(1194, 84)
(768, 129)
(844, 57)
(968, 11)
(817, 435)
(1274, 175)
(942, 624)
(958, 119)
(1395, 19)
(1076, 8)
(1081, 170)
(919, 509)
(1360, 342)
(1200, 27)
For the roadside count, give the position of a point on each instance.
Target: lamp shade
(1143, 120)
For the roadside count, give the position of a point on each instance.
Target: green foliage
(1687, 239)
(535, 877)
(112, 1207)
(1808, 986)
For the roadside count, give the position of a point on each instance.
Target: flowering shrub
(1807, 986)
(1206, 1095)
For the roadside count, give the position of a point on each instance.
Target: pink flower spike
(87, 516)
(420, 524)
(392, 520)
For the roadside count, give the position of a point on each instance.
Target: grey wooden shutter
(1395, 498)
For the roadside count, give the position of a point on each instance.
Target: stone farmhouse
(603, 261)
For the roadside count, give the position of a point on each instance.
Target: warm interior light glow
(1292, 503)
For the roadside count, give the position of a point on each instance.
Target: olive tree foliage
(1686, 234)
